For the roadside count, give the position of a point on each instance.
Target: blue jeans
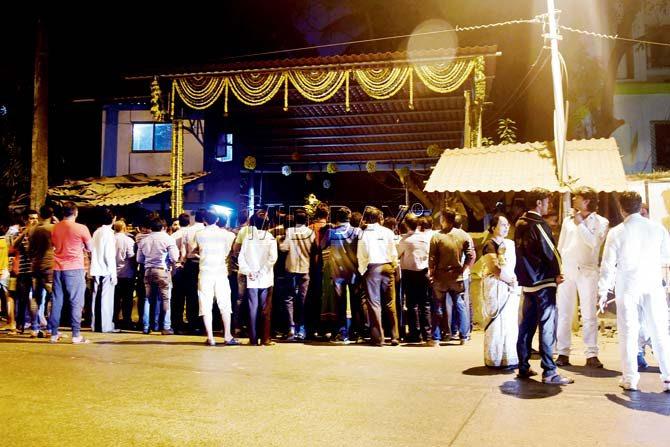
(448, 303)
(73, 284)
(539, 308)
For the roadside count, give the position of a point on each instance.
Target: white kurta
(634, 252)
(501, 303)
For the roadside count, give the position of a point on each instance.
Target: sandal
(557, 379)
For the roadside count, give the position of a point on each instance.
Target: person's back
(214, 245)
(299, 242)
(69, 238)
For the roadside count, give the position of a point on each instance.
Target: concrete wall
(120, 160)
(634, 137)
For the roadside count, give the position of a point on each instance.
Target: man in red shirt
(69, 239)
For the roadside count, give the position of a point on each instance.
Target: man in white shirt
(579, 244)
(125, 273)
(377, 260)
(256, 260)
(634, 252)
(103, 272)
(191, 262)
(413, 253)
(299, 243)
(213, 245)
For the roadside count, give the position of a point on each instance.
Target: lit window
(224, 148)
(152, 137)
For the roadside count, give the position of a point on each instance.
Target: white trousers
(584, 282)
(103, 285)
(655, 311)
(211, 286)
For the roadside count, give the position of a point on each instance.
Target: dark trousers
(380, 285)
(178, 299)
(539, 308)
(140, 292)
(24, 284)
(416, 286)
(42, 288)
(297, 285)
(241, 305)
(260, 311)
(123, 302)
(191, 271)
(313, 301)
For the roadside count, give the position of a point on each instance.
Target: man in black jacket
(538, 271)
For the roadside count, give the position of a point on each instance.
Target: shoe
(346, 341)
(525, 374)
(593, 362)
(55, 338)
(268, 343)
(12, 332)
(666, 386)
(462, 341)
(167, 332)
(433, 343)
(454, 337)
(146, 331)
(233, 342)
(641, 362)
(80, 340)
(395, 342)
(627, 386)
(210, 342)
(34, 334)
(563, 360)
(557, 379)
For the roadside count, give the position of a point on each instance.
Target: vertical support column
(478, 106)
(467, 137)
(39, 171)
(177, 168)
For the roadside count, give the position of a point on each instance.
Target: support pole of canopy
(177, 168)
(467, 138)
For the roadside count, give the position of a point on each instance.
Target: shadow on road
(486, 371)
(658, 403)
(591, 372)
(529, 389)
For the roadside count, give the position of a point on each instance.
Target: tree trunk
(39, 172)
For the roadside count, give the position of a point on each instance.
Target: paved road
(131, 389)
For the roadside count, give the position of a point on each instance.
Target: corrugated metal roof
(524, 166)
(114, 191)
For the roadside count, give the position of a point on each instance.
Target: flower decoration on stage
(402, 172)
(331, 168)
(433, 150)
(250, 162)
(286, 170)
(295, 156)
(327, 184)
(156, 109)
(309, 176)
(371, 166)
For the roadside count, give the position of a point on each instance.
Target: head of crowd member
(321, 212)
(210, 218)
(242, 217)
(426, 223)
(630, 202)
(119, 226)
(373, 215)
(585, 200)
(175, 226)
(412, 222)
(448, 218)
(223, 221)
(46, 213)
(200, 215)
(459, 219)
(644, 210)
(300, 217)
(499, 226)
(391, 223)
(70, 211)
(30, 218)
(107, 217)
(342, 215)
(258, 220)
(537, 200)
(356, 219)
(156, 224)
(184, 220)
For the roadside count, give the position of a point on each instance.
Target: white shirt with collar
(298, 242)
(413, 250)
(103, 253)
(579, 245)
(258, 256)
(214, 245)
(377, 246)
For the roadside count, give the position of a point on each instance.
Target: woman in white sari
(501, 297)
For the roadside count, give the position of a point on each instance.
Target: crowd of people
(346, 277)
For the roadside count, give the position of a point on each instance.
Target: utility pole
(39, 171)
(559, 109)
